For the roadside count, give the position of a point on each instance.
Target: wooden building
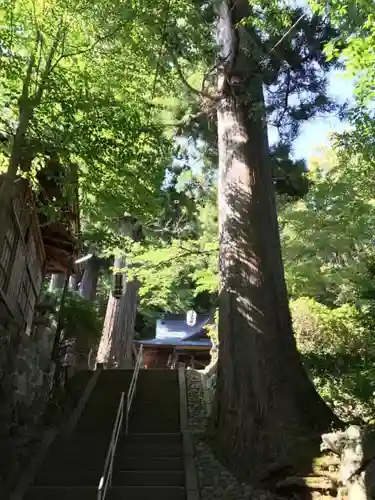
(32, 244)
(33, 247)
(175, 342)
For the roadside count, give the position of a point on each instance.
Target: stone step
(150, 450)
(91, 444)
(120, 478)
(153, 427)
(115, 493)
(107, 416)
(122, 463)
(149, 463)
(165, 437)
(149, 478)
(152, 413)
(138, 417)
(91, 458)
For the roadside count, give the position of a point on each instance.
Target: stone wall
(32, 378)
(25, 390)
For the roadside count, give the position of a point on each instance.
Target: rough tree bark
(107, 339)
(264, 402)
(89, 283)
(57, 282)
(115, 346)
(126, 322)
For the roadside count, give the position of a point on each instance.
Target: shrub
(80, 320)
(320, 330)
(212, 329)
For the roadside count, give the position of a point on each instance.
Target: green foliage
(355, 21)
(327, 237)
(82, 78)
(212, 329)
(323, 331)
(338, 350)
(107, 87)
(80, 319)
(177, 267)
(173, 275)
(349, 390)
(328, 250)
(355, 24)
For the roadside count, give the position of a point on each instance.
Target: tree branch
(87, 49)
(26, 82)
(182, 123)
(49, 67)
(163, 36)
(286, 100)
(179, 257)
(195, 91)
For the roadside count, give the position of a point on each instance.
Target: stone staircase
(149, 460)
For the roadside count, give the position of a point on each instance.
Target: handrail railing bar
(106, 479)
(132, 388)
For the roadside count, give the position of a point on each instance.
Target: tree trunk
(118, 331)
(73, 283)
(57, 282)
(90, 278)
(126, 322)
(264, 401)
(105, 349)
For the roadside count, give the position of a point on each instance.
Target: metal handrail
(132, 387)
(106, 479)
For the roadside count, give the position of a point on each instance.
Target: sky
(315, 133)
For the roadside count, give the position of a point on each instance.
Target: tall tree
(264, 402)
(115, 346)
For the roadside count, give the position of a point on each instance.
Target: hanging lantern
(191, 317)
(118, 285)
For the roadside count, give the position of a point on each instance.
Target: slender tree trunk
(57, 282)
(73, 283)
(90, 278)
(264, 402)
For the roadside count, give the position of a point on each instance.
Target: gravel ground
(215, 481)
